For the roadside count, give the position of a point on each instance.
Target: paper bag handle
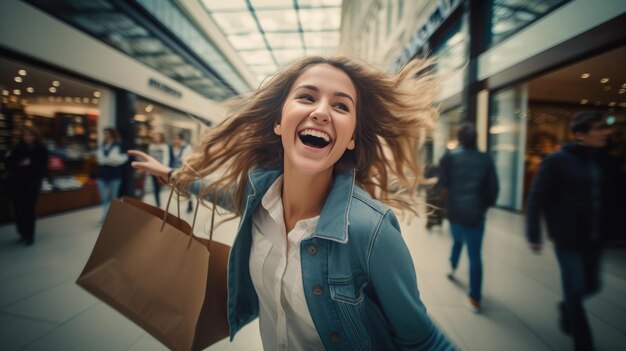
(167, 210)
(195, 215)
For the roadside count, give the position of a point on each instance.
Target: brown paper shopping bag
(169, 283)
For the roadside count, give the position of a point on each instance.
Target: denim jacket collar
(333, 223)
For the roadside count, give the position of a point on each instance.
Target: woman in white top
(307, 162)
(161, 152)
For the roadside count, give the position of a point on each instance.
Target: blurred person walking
(158, 149)
(179, 150)
(111, 158)
(471, 184)
(577, 190)
(27, 163)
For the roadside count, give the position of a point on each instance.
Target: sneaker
(450, 274)
(473, 305)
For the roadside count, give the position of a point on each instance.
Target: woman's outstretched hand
(148, 164)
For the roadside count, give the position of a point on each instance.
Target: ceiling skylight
(269, 34)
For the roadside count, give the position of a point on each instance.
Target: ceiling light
(149, 108)
(96, 94)
(612, 103)
(5, 92)
(604, 80)
(584, 101)
(30, 89)
(585, 75)
(21, 72)
(624, 85)
(621, 91)
(18, 79)
(16, 92)
(56, 83)
(52, 89)
(94, 101)
(622, 104)
(85, 100)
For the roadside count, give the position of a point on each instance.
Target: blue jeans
(472, 236)
(580, 277)
(108, 189)
(157, 190)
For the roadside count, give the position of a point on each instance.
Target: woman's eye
(342, 106)
(305, 97)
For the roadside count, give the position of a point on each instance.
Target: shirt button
(317, 290)
(312, 249)
(334, 337)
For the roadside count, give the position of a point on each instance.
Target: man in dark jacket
(577, 190)
(471, 184)
(27, 163)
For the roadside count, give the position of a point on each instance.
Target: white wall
(31, 32)
(563, 24)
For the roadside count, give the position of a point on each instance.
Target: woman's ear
(351, 145)
(277, 129)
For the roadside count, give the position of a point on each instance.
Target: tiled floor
(41, 308)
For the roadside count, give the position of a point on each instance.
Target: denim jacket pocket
(345, 291)
(348, 300)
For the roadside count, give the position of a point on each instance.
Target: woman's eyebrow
(314, 88)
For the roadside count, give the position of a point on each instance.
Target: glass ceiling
(268, 34)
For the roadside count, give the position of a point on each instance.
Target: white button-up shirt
(275, 267)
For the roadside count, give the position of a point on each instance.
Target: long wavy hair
(393, 114)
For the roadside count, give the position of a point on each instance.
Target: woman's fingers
(148, 164)
(139, 154)
(139, 166)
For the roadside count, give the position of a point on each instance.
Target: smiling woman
(391, 114)
(306, 161)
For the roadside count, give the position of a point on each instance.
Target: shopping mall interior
(518, 70)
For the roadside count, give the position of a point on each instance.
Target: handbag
(150, 267)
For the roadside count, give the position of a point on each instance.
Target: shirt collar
(333, 223)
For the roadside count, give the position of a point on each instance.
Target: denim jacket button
(334, 337)
(312, 249)
(317, 290)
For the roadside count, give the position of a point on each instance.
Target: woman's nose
(321, 114)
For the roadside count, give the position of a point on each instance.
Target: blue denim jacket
(357, 273)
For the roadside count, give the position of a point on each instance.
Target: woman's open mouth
(314, 138)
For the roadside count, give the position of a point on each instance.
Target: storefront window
(507, 137)
(510, 16)
(445, 134)
(65, 111)
(452, 51)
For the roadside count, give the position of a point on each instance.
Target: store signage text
(435, 19)
(164, 88)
